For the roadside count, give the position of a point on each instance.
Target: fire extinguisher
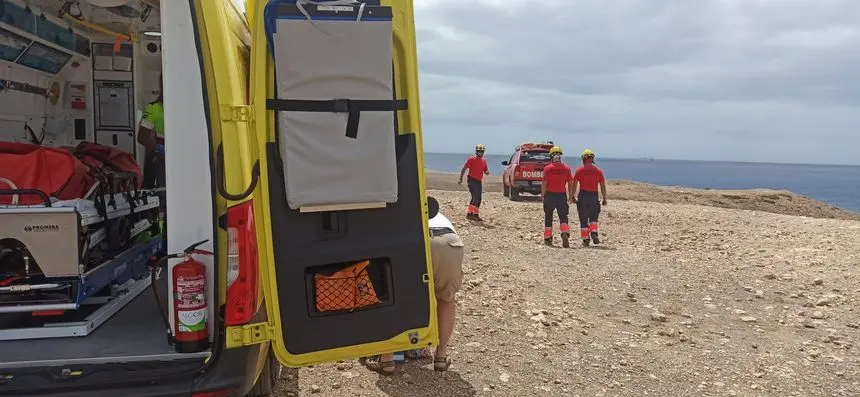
(191, 333)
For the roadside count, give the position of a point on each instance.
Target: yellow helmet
(555, 150)
(587, 153)
(480, 148)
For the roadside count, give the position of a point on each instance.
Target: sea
(837, 185)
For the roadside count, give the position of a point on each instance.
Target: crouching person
(446, 250)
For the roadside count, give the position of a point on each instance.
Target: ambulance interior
(74, 71)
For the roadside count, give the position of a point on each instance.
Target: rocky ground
(681, 299)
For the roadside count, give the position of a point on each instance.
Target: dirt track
(682, 299)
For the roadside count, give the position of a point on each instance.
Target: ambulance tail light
(242, 264)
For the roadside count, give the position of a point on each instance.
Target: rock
(667, 332)
(337, 386)
(473, 344)
(826, 300)
(759, 294)
(818, 315)
(344, 366)
(476, 282)
(817, 281)
(660, 317)
(539, 318)
(504, 377)
(748, 319)
(684, 338)
(315, 389)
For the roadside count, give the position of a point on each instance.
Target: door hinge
(249, 334)
(237, 113)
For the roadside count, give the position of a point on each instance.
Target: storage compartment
(348, 287)
(336, 112)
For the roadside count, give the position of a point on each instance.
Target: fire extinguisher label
(190, 298)
(192, 320)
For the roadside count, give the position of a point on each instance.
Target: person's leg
(447, 255)
(564, 227)
(582, 211)
(476, 190)
(473, 208)
(593, 223)
(548, 209)
(446, 313)
(150, 171)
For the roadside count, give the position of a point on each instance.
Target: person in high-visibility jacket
(557, 184)
(150, 134)
(588, 177)
(477, 167)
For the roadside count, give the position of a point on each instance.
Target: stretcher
(56, 255)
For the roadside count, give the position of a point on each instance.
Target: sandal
(441, 364)
(387, 367)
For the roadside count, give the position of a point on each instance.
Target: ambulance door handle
(222, 183)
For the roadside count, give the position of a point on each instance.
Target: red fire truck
(524, 170)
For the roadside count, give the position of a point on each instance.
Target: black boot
(547, 241)
(586, 242)
(477, 218)
(595, 238)
(565, 240)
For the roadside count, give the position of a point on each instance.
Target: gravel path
(679, 300)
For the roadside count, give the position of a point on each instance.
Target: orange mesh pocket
(347, 289)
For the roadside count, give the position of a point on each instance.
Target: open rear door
(344, 243)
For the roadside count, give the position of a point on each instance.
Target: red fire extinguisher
(191, 331)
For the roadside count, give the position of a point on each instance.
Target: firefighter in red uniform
(588, 177)
(557, 184)
(477, 166)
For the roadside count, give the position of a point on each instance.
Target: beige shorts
(447, 255)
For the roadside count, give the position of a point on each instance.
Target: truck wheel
(515, 194)
(506, 190)
(265, 385)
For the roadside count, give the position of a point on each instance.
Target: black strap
(353, 107)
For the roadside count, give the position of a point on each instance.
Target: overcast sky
(746, 80)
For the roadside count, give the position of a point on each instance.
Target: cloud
(761, 80)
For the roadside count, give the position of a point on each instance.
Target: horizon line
(685, 160)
